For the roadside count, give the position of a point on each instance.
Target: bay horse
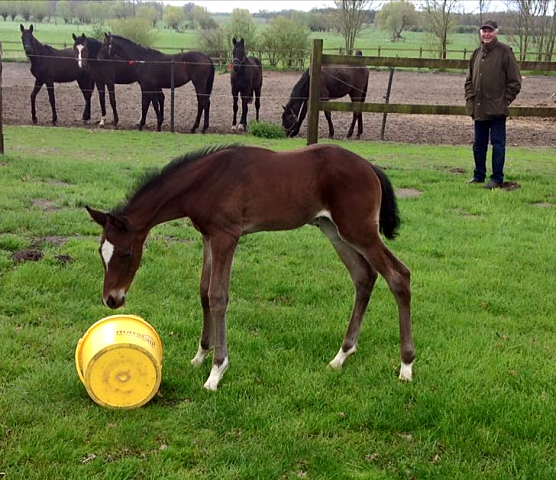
(153, 70)
(50, 65)
(336, 81)
(105, 72)
(231, 191)
(247, 80)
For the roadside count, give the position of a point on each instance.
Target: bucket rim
(122, 316)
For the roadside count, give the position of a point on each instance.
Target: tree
(136, 29)
(439, 16)
(242, 26)
(349, 18)
(201, 16)
(286, 39)
(7, 9)
(148, 12)
(395, 16)
(173, 16)
(63, 10)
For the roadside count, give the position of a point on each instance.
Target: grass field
(370, 40)
(483, 399)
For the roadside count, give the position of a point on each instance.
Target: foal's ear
(98, 216)
(74, 37)
(31, 28)
(21, 27)
(233, 39)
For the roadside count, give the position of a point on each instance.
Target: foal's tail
(389, 217)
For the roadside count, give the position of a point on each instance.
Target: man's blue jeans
(496, 130)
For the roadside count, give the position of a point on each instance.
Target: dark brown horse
(228, 192)
(105, 72)
(50, 65)
(247, 80)
(153, 70)
(336, 81)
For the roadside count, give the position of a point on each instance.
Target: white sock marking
(200, 356)
(341, 357)
(107, 250)
(406, 372)
(215, 376)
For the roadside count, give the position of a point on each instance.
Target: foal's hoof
(34, 120)
(406, 372)
(234, 128)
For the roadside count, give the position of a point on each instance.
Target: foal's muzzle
(114, 301)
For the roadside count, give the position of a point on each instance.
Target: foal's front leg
(206, 343)
(222, 249)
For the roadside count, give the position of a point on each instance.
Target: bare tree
(533, 29)
(439, 17)
(484, 7)
(349, 18)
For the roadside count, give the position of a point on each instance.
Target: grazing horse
(246, 79)
(336, 81)
(153, 70)
(49, 65)
(104, 72)
(228, 192)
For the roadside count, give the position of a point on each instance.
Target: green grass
(482, 402)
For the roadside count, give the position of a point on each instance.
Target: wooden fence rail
(318, 58)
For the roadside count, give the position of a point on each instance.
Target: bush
(135, 29)
(265, 130)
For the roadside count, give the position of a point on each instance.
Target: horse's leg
(36, 89)
(52, 99)
(112, 97)
(206, 343)
(244, 110)
(160, 112)
(87, 88)
(363, 277)
(200, 108)
(101, 88)
(206, 108)
(222, 252)
(257, 103)
(367, 241)
(330, 126)
(235, 94)
(146, 99)
(352, 126)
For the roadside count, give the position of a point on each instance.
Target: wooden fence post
(387, 100)
(314, 95)
(1, 114)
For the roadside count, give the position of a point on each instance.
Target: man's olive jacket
(493, 81)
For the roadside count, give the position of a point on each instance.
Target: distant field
(370, 40)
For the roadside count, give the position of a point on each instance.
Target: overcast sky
(254, 6)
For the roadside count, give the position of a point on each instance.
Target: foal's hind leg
(52, 99)
(257, 103)
(368, 243)
(363, 277)
(206, 343)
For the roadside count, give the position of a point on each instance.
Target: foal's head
(81, 49)
(28, 40)
(238, 55)
(289, 120)
(121, 249)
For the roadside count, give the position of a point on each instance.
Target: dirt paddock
(407, 87)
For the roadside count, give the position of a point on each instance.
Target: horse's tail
(389, 221)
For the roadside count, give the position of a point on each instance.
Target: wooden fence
(315, 105)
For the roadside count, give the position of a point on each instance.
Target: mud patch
(44, 205)
(408, 192)
(27, 255)
(510, 186)
(544, 205)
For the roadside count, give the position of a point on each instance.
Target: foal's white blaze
(200, 356)
(215, 376)
(406, 372)
(106, 251)
(341, 357)
(79, 58)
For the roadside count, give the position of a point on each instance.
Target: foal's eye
(126, 254)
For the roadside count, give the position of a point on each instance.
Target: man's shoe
(492, 185)
(475, 180)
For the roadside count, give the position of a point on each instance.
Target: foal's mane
(300, 90)
(153, 176)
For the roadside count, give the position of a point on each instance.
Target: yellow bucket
(119, 360)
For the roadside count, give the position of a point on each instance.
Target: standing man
(493, 81)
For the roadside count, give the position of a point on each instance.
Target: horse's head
(28, 40)
(290, 121)
(81, 49)
(104, 51)
(121, 249)
(238, 54)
